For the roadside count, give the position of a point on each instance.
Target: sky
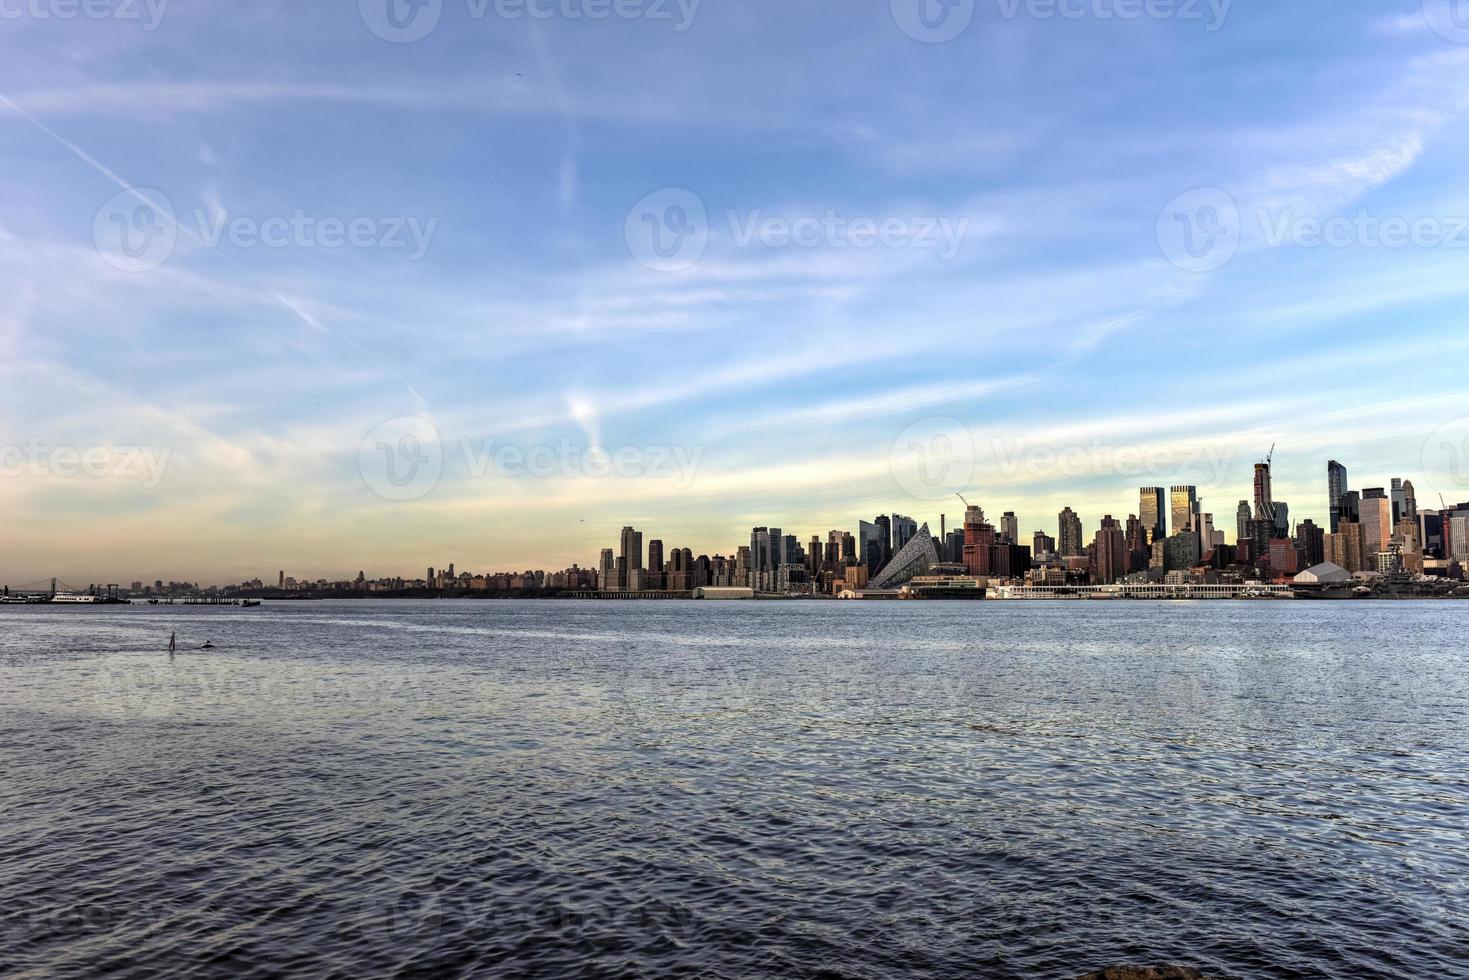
(348, 286)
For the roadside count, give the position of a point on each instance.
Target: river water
(735, 789)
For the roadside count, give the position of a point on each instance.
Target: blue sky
(246, 402)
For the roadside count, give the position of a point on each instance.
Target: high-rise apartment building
(1069, 536)
(1264, 501)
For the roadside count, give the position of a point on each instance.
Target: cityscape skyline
(1159, 511)
(345, 232)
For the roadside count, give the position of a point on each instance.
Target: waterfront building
(916, 557)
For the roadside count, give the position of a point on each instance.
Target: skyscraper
(632, 557)
(1153, 512)
(1111, 553)
(1043, 544)
(1242, 522)
(1264, 502)
(1336, 488)
(1010, 527)
(607, 571)
(1376, 510)
(1410, 501)
(1185, 508)
(1069, 536)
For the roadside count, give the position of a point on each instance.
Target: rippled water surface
(735, 789)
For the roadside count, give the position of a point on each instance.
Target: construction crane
(1270, 456)
(961, 497)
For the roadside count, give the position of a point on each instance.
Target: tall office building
(1043, 544)
(1336, 488)
(1010, 527)
(1410, 501)
(1069, 534)
(903, 530)
(884, 540)
(607, 571)
(1376, 511)
(1206, 533)
(1185, 509)
(1153, 512)
(1310, 544)
(632, 558)
(1242, 522)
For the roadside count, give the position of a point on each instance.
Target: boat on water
(74, 597)
(249, 603)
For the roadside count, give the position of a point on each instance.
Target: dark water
(740, 789)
